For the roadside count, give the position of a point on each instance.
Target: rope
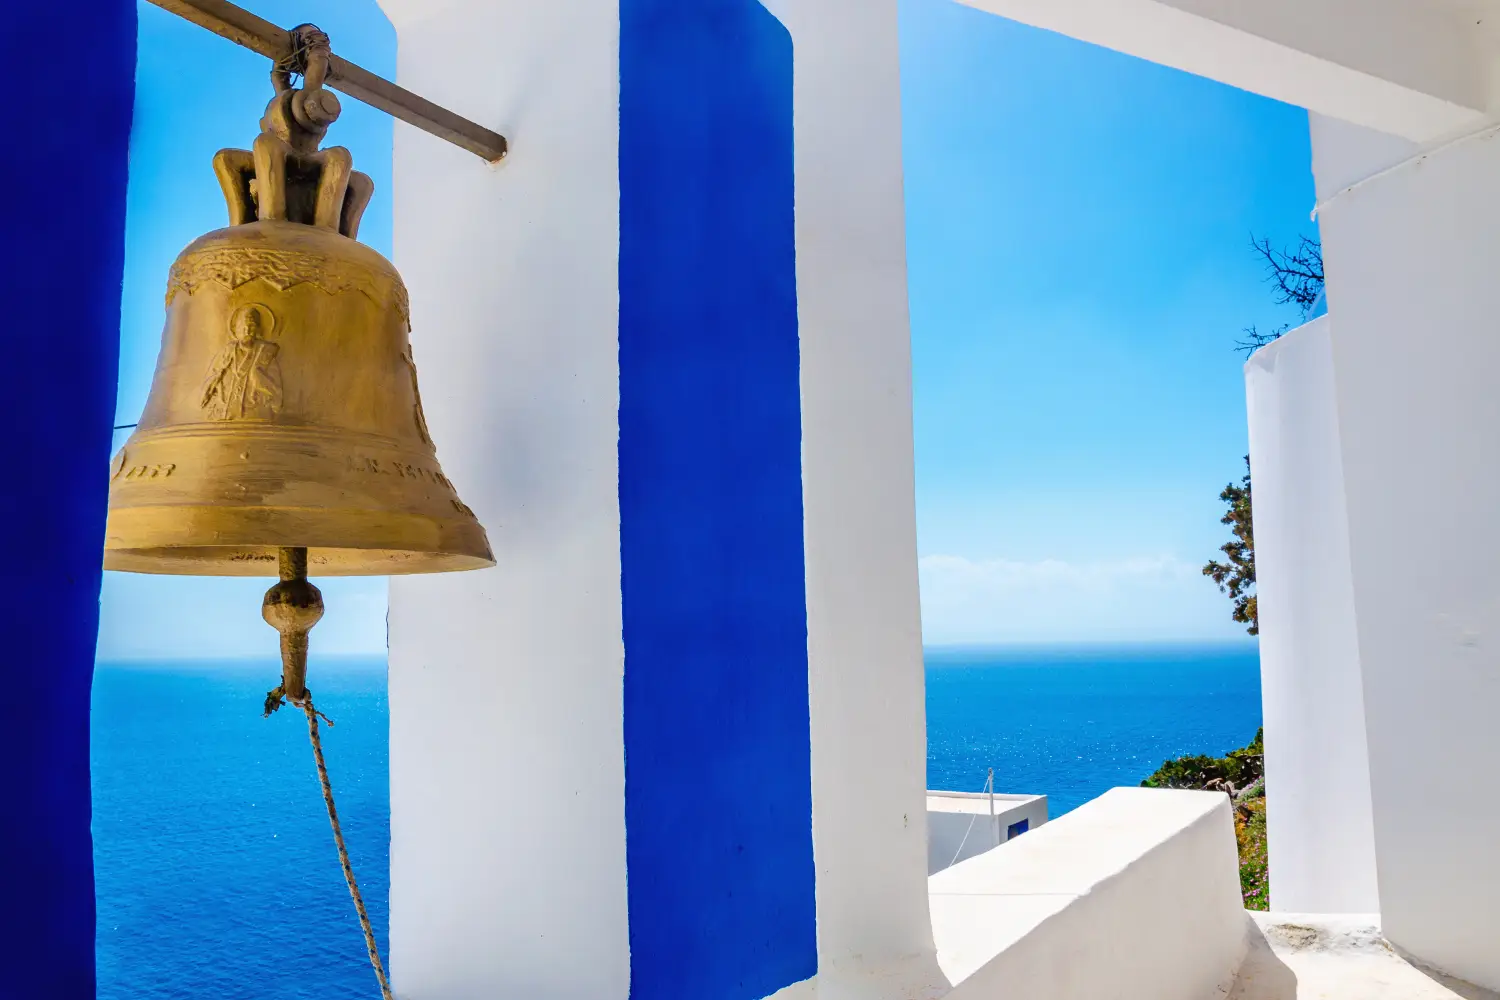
(338, 838)
(989, 784)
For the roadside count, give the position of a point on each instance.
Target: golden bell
(285, 412)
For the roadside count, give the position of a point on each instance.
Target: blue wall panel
(717, 772)
(62, 239)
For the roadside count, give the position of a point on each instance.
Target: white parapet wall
(963, 824)
(1322, 840)
(1134, 895)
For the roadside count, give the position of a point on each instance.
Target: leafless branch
(1251, 339)
(1297, 273)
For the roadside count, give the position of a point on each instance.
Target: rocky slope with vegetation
(1240, 774)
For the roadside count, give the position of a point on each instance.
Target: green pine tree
(1236, 576)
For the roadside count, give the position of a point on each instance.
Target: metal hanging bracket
(259, 35)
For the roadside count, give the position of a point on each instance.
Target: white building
(665, 351)
(961, 825)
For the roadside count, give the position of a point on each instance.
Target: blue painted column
(718, 800)
(62, 234)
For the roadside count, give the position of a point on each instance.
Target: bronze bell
(285, 412)
(284, 433)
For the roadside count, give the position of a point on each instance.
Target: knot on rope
(276, 697)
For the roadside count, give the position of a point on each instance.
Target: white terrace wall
(1132, 896)
(1322, 843)
(1412, 259)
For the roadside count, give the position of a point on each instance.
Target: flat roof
(977, 803)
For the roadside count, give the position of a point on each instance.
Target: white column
(1322, 843)
(1412, 287)
(507, 770)
(869, 741)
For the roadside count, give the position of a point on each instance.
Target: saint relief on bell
(244, 380)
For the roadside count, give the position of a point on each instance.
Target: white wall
(505, 685)
(1411, 261)
(959, 824)
(1321, 837)
(1134, 895)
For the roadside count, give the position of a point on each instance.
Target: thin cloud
(1141, 598)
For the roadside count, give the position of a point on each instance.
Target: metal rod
(259, 35)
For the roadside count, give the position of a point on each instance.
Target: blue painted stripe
(718, 792)
(62, 237)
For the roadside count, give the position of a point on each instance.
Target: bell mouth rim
(261, 561)
(214, 540)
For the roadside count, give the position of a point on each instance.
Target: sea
(215, 869)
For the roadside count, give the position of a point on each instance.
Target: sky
(1078, 228)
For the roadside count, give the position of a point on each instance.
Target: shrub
(1241, 775)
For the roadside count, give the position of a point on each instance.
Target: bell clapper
(292, 607)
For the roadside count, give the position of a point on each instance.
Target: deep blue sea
(1072, 723)
(216, 872)
(215, 868)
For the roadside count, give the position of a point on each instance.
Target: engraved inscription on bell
(244, 379)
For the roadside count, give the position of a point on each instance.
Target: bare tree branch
(1297, 273)
(1251, 339)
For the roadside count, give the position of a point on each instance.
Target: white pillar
(507, 775)
(1411, 260)
(864, 616)
(1322, 843)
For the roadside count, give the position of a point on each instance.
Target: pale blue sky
(1078, 230)
(1078, 224)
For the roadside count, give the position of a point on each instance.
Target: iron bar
(259, 35)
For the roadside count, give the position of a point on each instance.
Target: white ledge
(1337, 957)
(1135, 894)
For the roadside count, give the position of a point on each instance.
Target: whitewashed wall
(1322, 843)
(1411, 260)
